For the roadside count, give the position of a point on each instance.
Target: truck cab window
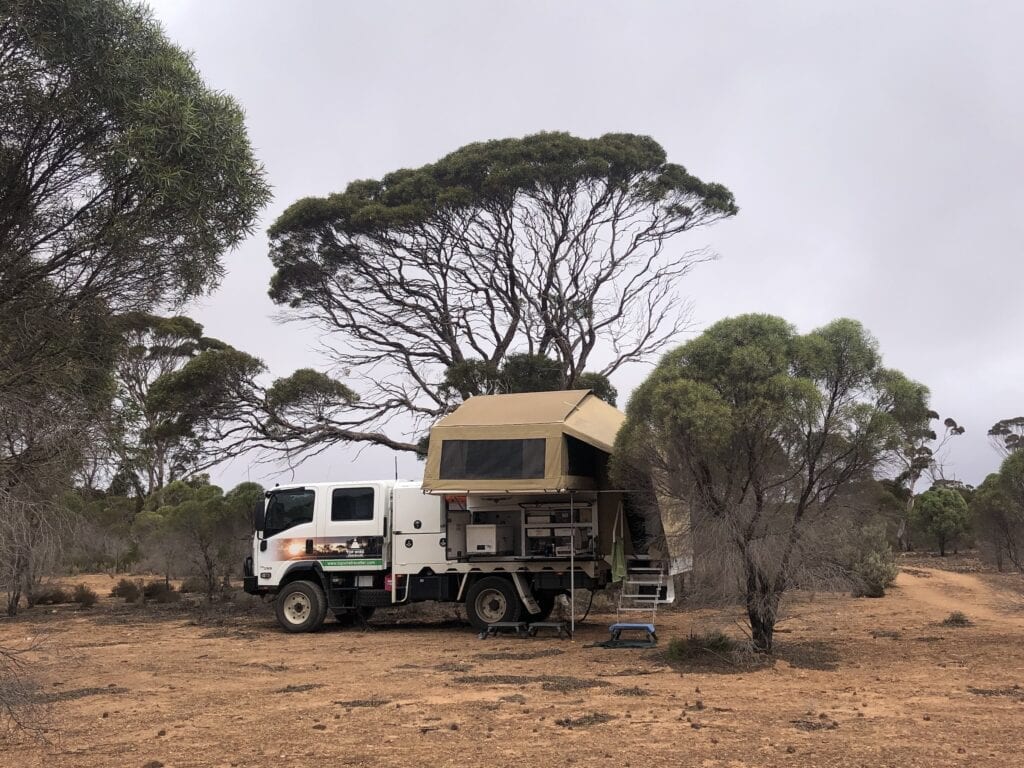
(287, 509)
(351, 504)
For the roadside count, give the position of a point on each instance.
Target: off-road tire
(493, 600)
(300, 607)
(546, 601)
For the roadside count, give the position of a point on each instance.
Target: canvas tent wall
(535, 442)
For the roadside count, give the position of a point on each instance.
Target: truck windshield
(288, 508)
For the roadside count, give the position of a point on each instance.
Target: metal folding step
(641, 591)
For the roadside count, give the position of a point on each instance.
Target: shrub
(127, 589)
(193, 584)
(956, 619)
(874, 572)
(167, 596)
(869, 559)
(84, 596)
(50, 595)
(713, 644)
(154, 589)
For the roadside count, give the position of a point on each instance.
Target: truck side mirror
(259, 515)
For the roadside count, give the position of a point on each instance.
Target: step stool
(650, 638)
(493, 630)
(560, 627)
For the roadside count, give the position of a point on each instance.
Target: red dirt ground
(854, 683)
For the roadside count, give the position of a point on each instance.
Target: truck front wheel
(492, 600)
(301, 607)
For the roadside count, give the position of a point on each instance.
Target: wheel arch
(304, 571)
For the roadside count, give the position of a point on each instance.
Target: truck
(515, 508)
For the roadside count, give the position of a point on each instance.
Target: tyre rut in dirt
(301, 607)
(492, 600)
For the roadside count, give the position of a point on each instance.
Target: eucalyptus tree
(123, 180)
(760, 436)
(153, 434)
(428, 281)
(997, 513)
(942, 513)
(1007, 435)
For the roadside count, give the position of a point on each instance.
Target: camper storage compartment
(489, 539)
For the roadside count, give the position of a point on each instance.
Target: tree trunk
(762, 631)
(13, 598)
(762, 608)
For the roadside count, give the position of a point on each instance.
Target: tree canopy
(758, 434)
(942, 512)
(545, 255)
(122, 176)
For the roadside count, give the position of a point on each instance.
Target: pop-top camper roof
(529, 442)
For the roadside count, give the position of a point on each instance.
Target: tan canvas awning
(535, 441)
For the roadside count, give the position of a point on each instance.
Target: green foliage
(103, 539)
(942, 513)
(84, 596)
(997, 513)
(757, 434)
(870, 560)
(307, 395)
(196, 526)
(492, 172)
(157, 174)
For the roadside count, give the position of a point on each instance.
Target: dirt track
(856, 682)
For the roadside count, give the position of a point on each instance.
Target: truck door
(289, 531)
(351, 535)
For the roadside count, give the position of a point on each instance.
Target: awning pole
(572, 566)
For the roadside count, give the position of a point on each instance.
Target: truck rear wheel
(492, 600)
(301, 607)
(546, 601)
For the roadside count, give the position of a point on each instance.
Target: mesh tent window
(492, 459)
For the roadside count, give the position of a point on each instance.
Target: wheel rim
(491, 605)
(297, 608)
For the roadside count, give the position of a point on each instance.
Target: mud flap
(525, 594)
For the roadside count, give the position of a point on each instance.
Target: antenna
(396, 468)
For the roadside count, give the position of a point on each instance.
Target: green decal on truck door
(352, 563)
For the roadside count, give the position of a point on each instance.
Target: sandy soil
(855, 683)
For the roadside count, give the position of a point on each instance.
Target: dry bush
(192, 585)
(127, 589)
(51, 594)
(84, 596)
(154, 589)
(21, 708)
(957, 619)
(702, 647)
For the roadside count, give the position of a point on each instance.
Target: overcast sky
(875, 151)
